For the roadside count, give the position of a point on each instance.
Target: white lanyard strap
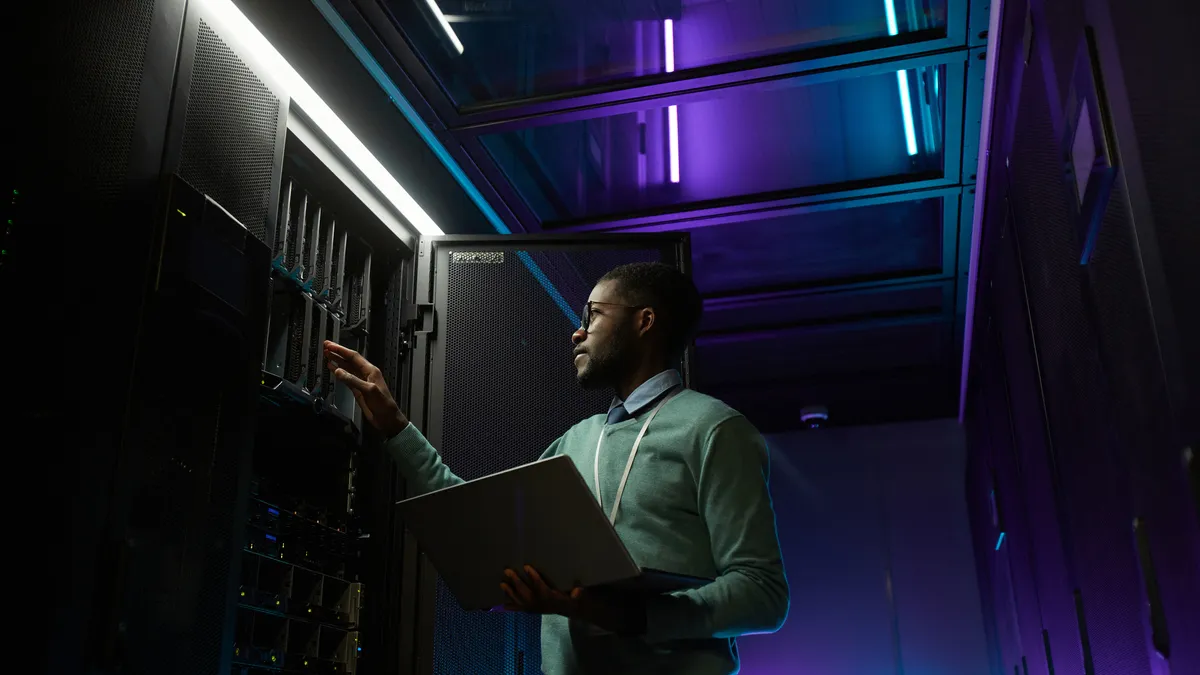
(612, 518)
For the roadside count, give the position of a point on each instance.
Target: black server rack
(1083, 382)
(184, 255)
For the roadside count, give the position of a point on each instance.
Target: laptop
(541, 514)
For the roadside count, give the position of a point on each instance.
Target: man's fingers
(353, 381)
(538, 583)
(513, 603)
(518, 585)
(346, 354)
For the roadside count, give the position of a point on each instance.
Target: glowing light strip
(437, 11)
(910, 132)
(234, 25)
(397, 98)
(673, 141)
(672, 111)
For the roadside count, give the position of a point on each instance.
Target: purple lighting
(673, 111)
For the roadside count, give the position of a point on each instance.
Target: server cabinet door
(491, 384)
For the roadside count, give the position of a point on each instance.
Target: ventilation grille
(532, 399)
(99, 56)
(1078, 394)
(230, 133)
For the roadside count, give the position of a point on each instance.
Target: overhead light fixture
(672, 111)
(234, 25)
(437, 11)
(910, 131)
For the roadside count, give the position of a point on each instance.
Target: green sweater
(696, 503)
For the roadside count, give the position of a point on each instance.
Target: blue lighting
(910, 132)
(389, 87)
(999, 541)
(891, 17)
(271, 537)
(273, 512)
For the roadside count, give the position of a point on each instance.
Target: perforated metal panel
(99, 54)
(1159, 54)
(1078, 394)
(510, 390)
(230, 133)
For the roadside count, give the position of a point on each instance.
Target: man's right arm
(420, 463)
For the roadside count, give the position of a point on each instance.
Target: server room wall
(1083, 389)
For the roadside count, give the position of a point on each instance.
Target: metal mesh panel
(1034, 462)
(1078, 396)
(1159, 54)
(230, 133)
(98, 53)
(500, 322)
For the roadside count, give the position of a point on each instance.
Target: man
(694, 500)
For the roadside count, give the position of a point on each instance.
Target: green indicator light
(16, 193)
(181, 213)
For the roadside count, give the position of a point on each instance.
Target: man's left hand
(530, 593)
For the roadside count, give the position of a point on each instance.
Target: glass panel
(737, 143)
(521, 48)
(824, 247)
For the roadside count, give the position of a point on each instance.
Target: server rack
(190, 239)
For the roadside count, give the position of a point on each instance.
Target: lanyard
(612, 518)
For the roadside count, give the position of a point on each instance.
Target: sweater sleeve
(750, 593)
(421, 464)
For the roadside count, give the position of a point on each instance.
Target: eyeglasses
(586, 316)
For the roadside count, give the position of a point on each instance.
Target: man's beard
(603, 368)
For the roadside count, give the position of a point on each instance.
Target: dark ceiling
(820, 152)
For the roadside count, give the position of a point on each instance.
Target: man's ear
(646, 318)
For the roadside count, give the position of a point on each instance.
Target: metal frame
(405, 87)
(298, 126)
(425, 371)
(457, 129)
(690, 91)
(956, 66)
(437, 100)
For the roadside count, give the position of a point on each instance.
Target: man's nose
(578, 336)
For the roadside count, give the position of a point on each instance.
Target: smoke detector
(814, 416)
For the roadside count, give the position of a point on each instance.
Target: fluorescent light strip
(669, 39)
(673, 111)
(910, 132)
(673, 140)
(234, 25)
(437, 11)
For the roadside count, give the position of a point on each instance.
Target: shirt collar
(649, 392)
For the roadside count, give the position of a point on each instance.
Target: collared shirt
(646, 395)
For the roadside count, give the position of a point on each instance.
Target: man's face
(608, 347)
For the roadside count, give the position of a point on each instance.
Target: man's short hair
(671, 293)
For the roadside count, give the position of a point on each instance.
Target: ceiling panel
(774, 310)
(731, 144)
(515, 49)
(807, 352)
(896, 239)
